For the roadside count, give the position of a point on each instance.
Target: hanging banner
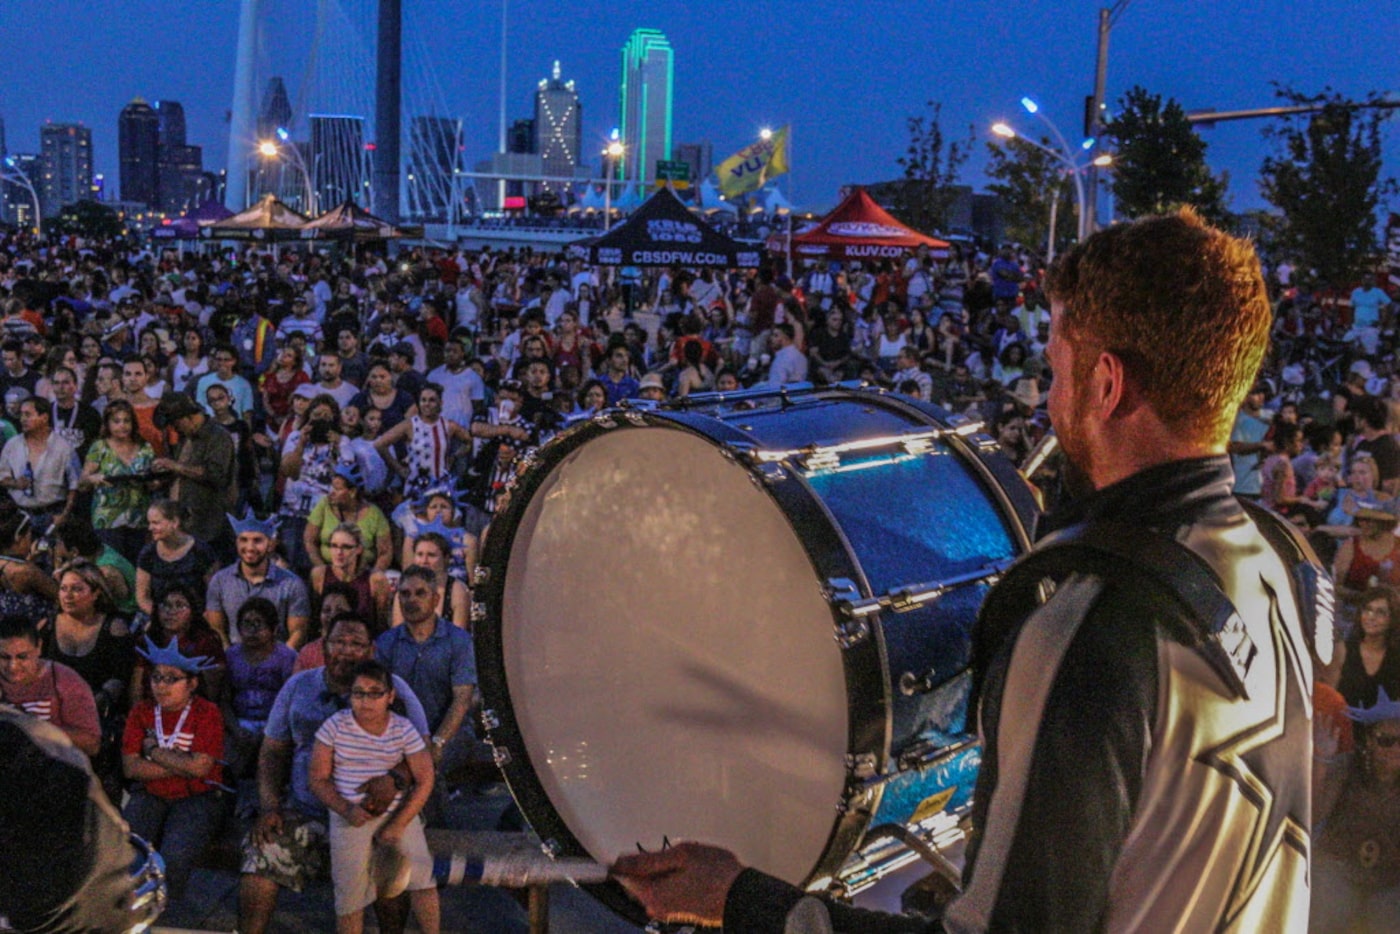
(751, 167)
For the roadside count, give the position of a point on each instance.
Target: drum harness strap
(1075, 562)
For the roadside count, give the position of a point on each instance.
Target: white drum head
(669, 656)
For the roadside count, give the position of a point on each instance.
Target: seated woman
(344, 504)
(348, 566)
(25, 588)
(47, 690)
(179, 616)
(1368, 660)
(171, 749)
(431, 550)
(1372, 559)
(334, 599)
(1363, 487)
(258, 666)
(1356, 852)
(438, 510)
(171, 556)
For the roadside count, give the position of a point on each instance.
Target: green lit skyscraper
(645, 122)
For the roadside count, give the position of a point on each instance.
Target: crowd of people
(247, 489)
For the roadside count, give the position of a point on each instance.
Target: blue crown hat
(1383, 709)
(453, 535)
(251, 523)
(171, 656)
(442, 486)
(351, 474)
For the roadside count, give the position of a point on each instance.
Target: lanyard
(168, 742)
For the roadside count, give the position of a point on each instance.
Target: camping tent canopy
(663, 232)
(269, 219)
(188, 226)
(858, 228)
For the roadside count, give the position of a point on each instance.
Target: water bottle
(28, 479)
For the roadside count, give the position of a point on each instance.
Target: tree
(1028, 181)
(1159, 162)
(88, 218)
(930, 171)
(1325, 179)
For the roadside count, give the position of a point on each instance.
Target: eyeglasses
(1386, 740)
(168, 679)
(357, 694)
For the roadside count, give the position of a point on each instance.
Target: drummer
(1134, 812)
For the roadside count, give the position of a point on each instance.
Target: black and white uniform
(1161, 793)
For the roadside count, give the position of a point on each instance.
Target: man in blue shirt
(289, 846)
(435, 658)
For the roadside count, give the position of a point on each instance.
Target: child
(1320, 495)
(355, 745)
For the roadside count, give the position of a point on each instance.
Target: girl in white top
(353, 746)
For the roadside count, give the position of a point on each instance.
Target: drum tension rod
(845, 597)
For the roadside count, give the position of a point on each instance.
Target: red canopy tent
(859, 228)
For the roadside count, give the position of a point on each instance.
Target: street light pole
(611, 155)
(1074, 169)
(272, 150)
(15, 175)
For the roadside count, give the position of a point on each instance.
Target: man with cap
(299, 320)
(202, 464)
(255, 574)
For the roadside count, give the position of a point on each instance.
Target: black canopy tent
(663, 232)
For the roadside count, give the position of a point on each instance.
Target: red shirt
(202, 731)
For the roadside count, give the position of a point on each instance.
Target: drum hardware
(480, 576)
(940, 863)
(149, 897)
(911, 596)
(911, 684)
(762, 722)
(500, 755)
(478, 611)
(551, 848)
(782, 394)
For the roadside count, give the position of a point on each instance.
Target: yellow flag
(749, 168)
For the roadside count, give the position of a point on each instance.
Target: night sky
(845, 75)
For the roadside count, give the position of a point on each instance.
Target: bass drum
(745, 620)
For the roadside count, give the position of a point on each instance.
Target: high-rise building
(337, 160)
(558, 128)
(138, 153)
(520, 138)
(172, 122)
(65, 152)
(433, 160)
(183, 185)
(699, 156)
(645, 121)
(276, 110)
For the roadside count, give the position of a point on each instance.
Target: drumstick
(516, 871)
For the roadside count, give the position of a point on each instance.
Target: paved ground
(211, 904)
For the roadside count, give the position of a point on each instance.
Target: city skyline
(846, 80)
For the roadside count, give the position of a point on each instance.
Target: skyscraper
(700, 156)
(138, 153)
(558, 128)
(183, 185)
(337, 160)
(276, 110)
(645, 121)
(432, 161)
(521, 136)
(65, 151)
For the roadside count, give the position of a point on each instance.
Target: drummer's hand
(685, 884)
